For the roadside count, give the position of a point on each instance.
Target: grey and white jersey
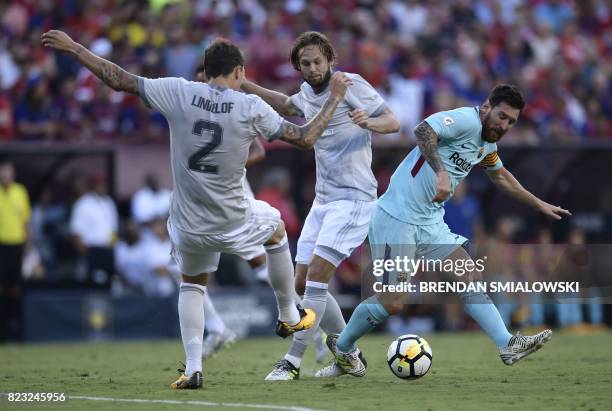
(211, 130)
(343, 153)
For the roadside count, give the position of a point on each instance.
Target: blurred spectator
(14, 217)
(569, 311)
(553, 13)
(94, 225)
(151, 201)
(537, 262)
(10, 72)
(545, 46)
(7, 125)
(143, 262)
(275, 190)
(181, 56)
(46, 226)
(501, 255)
(35, 116)
(404, 97)
(411, 17)
(130, 259)
(156, 249)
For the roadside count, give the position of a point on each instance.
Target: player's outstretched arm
(307, 135)
(506, 182)
(384, 123)
(427, 139)
(278, 101)
(110, 73)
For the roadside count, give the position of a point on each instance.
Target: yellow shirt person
(14, 214)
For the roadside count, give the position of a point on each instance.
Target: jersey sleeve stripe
(417, 166)
(379, 110)
(142, 93)
(490, 160)
(278, 132)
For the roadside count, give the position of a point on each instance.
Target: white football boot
(520, 346)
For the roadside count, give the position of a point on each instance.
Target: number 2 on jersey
(196, 160)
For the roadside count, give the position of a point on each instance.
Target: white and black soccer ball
(409, 356)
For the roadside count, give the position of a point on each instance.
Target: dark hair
(506, 93)
(221, 57)
(200, 68)
(311, 38)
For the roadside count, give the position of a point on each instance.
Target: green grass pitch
(569, 373)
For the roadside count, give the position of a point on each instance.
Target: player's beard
(488, 133)
(321, 85)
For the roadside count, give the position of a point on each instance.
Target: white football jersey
(343, 153)
(211, 130)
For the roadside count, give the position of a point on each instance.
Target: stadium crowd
(424, 56)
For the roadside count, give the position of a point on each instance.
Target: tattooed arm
(307, 135)
(279, 101)
(111, 74)
(427, 139)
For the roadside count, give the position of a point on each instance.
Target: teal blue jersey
(460, 145)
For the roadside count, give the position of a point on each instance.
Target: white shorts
(252, 251)
(248, 191)
(196, 254)
(333, 230)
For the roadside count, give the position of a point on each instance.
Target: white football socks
(315, 298)
(330, 321)
(333, 321)
(191, 318)
(280, 271)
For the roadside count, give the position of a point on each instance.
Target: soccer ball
(409, 356)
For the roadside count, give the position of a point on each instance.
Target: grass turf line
(570, 372)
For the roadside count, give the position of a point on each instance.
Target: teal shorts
(390, 238)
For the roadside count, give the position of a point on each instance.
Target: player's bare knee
(200, 279)
(300, 284)
(278, 235)
(301, 270)
(320, 270)
(257, 261)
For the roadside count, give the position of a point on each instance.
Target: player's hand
(443, 187)
(339, 84)
(553, 211)
(59, 40)
(359, 117)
